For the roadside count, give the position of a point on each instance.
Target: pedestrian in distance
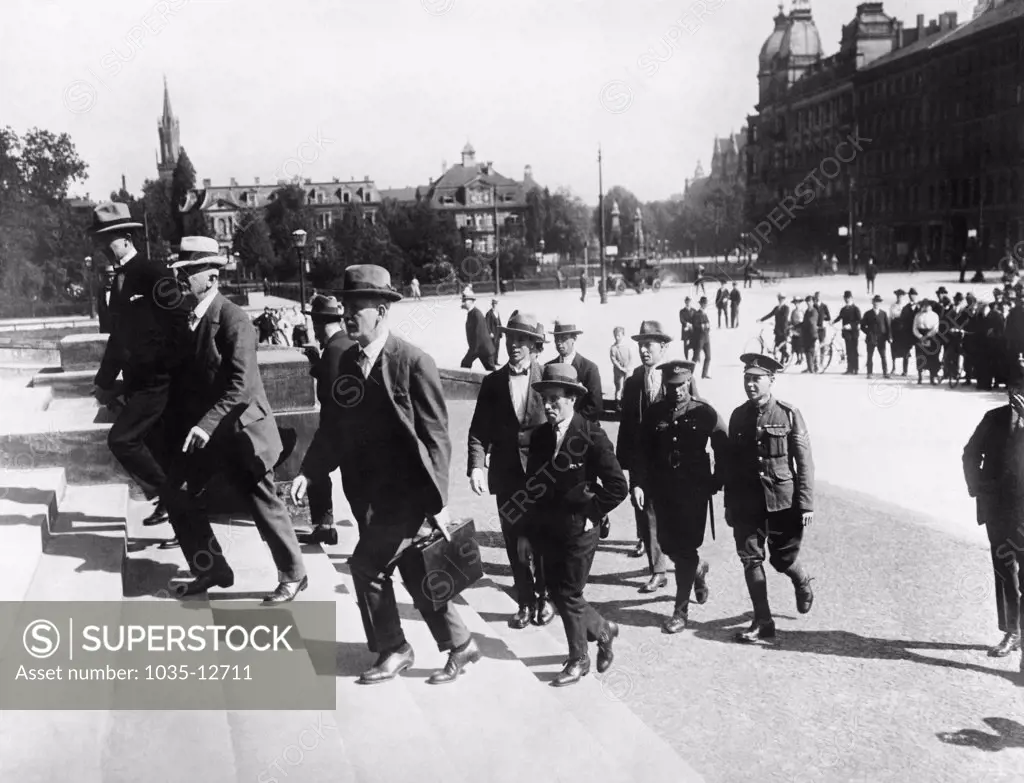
(877, 334)
(850, 316)
(621, 355)
(769, 491)
(700, 337)
(478, 339)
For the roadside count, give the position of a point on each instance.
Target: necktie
(364, 362)
(119, 280)
(193, 319)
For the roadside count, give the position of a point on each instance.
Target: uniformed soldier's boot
(763, 626)
(802, 587)
(677, 622)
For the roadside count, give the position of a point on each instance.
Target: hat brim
(391, 296)
(117, 227)
(656, 337)
(541, 338)
(577, 388)
(212, 260)
(322, 316)
(572, 333)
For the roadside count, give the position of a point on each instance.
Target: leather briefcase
(436, 570)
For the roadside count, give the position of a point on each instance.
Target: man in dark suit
(735, 297)
(588, 405)
(477, 337)
(148, 341)
(780, 317)
(391, 428)
(574, 481)
(103, 312)
(508, 412)
(493, 318)
(993, 461)
(850, 316)
(769, 491)
(877, 333)
(809, 336)
(221, 404)
(325, 312)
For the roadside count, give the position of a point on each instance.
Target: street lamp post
(600, 210)
(299, 242)
(89, 284)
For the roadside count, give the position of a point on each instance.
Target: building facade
(477, 197)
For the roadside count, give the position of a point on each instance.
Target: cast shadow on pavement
(851, 645)
(1009, 734)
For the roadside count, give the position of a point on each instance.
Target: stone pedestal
(81, 351)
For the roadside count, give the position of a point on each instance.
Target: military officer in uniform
(769, 490)
(671, 463)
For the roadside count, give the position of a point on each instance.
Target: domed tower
(768, 51)
(801, 44)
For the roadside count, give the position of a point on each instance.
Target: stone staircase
(500, 722)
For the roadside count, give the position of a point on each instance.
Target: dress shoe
(605, 655)
(286, 591)
(389, 665)
(170, 543)
(606, 528)
(325, 535)
(675, 624)
(203, 583)
(804, 595)
(639, 550)
(657, 581)
(457, 660)
(521, 619)
(700, 583)
(759, 629)
(545, 613)
(1009, 644)
(575, 670)
(158, 516)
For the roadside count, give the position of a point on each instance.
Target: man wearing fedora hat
(333, 341)
(508, 412)
(481, 346)
(877, 333)
(148, 341)
(903, 331)
(769, 491)
(590, 404)
(674, 477)
(230, 431)
(574, 482)
(493, 318)
(390, 432)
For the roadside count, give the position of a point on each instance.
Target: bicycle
(833, 345)
(764, 343)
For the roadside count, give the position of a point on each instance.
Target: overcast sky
(391, 88)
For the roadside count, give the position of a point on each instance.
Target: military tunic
(769, 482)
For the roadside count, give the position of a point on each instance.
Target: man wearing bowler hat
(508, 413)
(850, 316)
(390, 426)
(877, 333)
(675, 477)
(229, 429)
(574, 482)
(481, 346)
(325, 361)
(769, 490)
(148, 342)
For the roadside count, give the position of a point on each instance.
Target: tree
(286, 212)
(252, 244)
(421, 233)
(627, 203)
(567, 229)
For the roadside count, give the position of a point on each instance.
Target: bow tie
(514, 371)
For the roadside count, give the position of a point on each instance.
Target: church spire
(170, 144)
(168, 114)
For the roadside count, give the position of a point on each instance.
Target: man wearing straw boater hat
(576, 482)
(481, 346)
(769, 491)
(325, 361)
(674, 475)
(231, 431)
(508, 412)
(390, 428)
(148, 341)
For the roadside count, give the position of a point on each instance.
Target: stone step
(20, 547)
(90, 509)
(20, 398)
(34, 485)
(81, 405)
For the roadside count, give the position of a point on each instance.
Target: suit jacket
(769, 464)
(149, 330)
(327, 368)
(875, 327)
(993, 461)
(477, 336)
(493, 325)
(413, 387)
(220, 390)
(496, 430)
(781, 315)
(632, 408)
(590, 404)
(103, 312)
(582, 481)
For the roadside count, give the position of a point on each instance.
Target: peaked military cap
(759, 364)
(676, 371)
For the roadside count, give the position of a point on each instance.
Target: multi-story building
(944, 169)
(476, 195)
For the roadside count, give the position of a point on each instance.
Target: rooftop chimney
(444, 167)
(207, 184)
(920, 26)
(528, 172)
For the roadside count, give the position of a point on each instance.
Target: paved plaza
(887, 678)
